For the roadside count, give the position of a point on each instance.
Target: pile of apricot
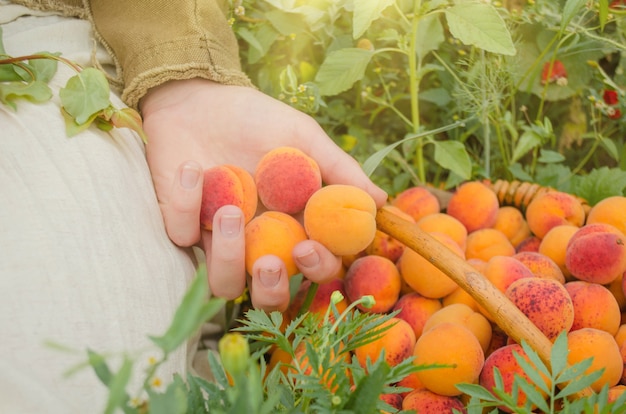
(561, 264)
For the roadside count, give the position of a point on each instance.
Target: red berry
(610, 97)
(553, 71)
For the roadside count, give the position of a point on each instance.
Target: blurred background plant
(443, 91)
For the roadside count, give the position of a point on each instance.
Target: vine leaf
(35, 91)
(85, 94)
(365, 12)
(129, 118)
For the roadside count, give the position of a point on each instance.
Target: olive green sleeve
(154, 41)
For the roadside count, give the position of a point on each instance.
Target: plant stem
(310, 294)
(414, 81)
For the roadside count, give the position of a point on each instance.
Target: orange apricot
(465, 316)
(610, 211)
(483, 244)
(529, 244)
(417, 202)
(554, 245)
(502, 271)
(460, 295)
(342, 218)
(545, 302)
(553, 208)
(397, 343)
(503, 359)
(541, 265)
(422, 276)
(512, 223)
(286, 178)
(416, 310)
(475, 205)
(227, 185)
(594, 306)
(376, 276)
(424, 401)
(274, 233)
(601, 346)
(455, 346)
(596, 253)
(444, 223)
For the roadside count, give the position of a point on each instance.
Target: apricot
(424, 401)
(385, 245)
(594, 306)
(286, 178)
(601, 346)
(554, 245)
(460, 295)
(465, 316)
(504, 360)
(422, 276)
(502, 271)
(622, 351)
(596, 253)
(446, 224)
(545, 302)
(529, 244)
(412, 382)
(416, 310)
(455, 346)
(397, 342)
(227, 185)
(417, 202)
(342, 218)
(276, 233)
(610, 211)
(553, 208)
(483, 244)
(475, 205)
(541, 265)
(512, 223)
(618, 292)
(376, 276)
(393, 399)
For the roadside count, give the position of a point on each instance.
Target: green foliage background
(451, 90)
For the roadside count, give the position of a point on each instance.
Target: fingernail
(269, 277)
(230, 225)
(309, 259)
(189, 176)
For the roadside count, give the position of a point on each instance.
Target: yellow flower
(235, 353)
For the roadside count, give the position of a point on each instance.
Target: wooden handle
(504, 313)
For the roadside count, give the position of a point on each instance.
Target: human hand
(196, 124)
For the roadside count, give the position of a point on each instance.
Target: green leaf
(375, 159)
(572, 7)
(548, 156)
(172, 401)
(194, 310)
(100, 367)
(71, 127)
(341, 69)
(526, 143)
(453, 156)
(558, 354)
(578, 379)
(117, 387)
(365, 12)
(476, 391)
(35, 91)
(430, 35)
(601, 183)
(85, 94)
(363, 399)
(479, 24)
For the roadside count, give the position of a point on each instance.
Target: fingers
(181, 209)
(269, 284)
(316, 262)
(225, 251)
